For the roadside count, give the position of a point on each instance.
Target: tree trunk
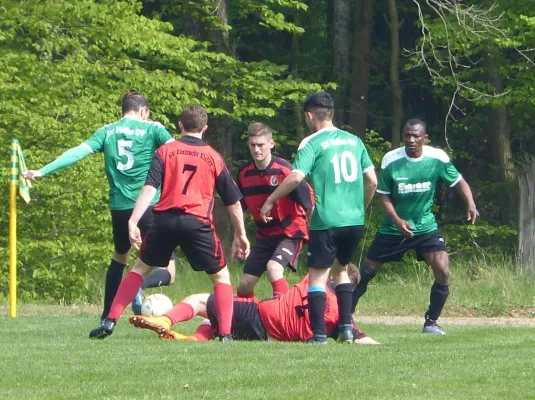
(361, 66)
(526, 223)
(220, 37)
(500, 134)
(341, 43)
(298, 111)
(395, 88)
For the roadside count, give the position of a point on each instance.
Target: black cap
(319, 100)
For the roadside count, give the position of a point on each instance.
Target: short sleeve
(365, 162)
(385, 181)
(96, 141)
(303, 195)
(449, 174)
(161, 134)
(304, 160)
(240, 188)
(156, 171)
(224, 184)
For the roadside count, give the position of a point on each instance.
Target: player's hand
(32, 174)
(134, 234)
(240, 247)
(471, 213)
(265, 211)
(405, 229)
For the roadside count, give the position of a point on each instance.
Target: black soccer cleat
(317, 339)
(104, 330)
(345, 334)
(225, 338)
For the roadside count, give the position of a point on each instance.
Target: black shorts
(119, 223)
(195, 236)
(285, 251)
(340, 243)
(246, 322)
(386, 248)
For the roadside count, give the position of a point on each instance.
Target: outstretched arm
(464, 191)
(67, 159)
(291, 182)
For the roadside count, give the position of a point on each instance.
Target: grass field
(50, 357)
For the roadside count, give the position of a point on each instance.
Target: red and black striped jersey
(189, 170)
(289, 213)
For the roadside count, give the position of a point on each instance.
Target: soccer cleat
(345, 334)
(155, 324)
(172, 335)
(137, 303)
(225, 338)
(317, 339)
(431, 326)
(104, 330)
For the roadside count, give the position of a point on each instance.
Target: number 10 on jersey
(345, 166)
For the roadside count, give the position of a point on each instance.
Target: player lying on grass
(284, 318)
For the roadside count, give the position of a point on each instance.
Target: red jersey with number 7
(189, 171)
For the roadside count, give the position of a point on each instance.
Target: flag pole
(13, 232)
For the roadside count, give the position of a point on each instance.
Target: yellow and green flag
(18, 167)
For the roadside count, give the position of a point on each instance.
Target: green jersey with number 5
(128, 147)
(334, 161)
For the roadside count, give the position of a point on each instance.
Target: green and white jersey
(411, 183)
(128, 147)
(334, 161)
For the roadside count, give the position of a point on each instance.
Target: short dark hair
(320, 104)
(193, 118)
(133, 101)
(354, 274)
(416, 121)
(259, 129)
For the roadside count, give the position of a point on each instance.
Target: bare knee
(222, 276)
(275, 271)
(198, 303)
(247, 283)
(121, 258)
(172, 270)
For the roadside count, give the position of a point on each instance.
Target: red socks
(224, 306)
(204, 332)
(279, 286)
(181, 312)
(127, 292)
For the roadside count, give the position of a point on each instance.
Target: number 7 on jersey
(188, 168)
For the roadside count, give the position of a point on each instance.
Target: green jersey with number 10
(128, 147)
(334, 161)
(410, 183)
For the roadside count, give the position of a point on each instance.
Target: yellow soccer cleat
(155, 324)
(172, 335)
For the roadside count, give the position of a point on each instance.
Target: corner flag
(18, 167)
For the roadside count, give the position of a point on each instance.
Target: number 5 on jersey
(122, 150)
(342, 169)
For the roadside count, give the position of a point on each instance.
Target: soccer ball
(156, 305)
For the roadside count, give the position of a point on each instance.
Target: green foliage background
(65, 65)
